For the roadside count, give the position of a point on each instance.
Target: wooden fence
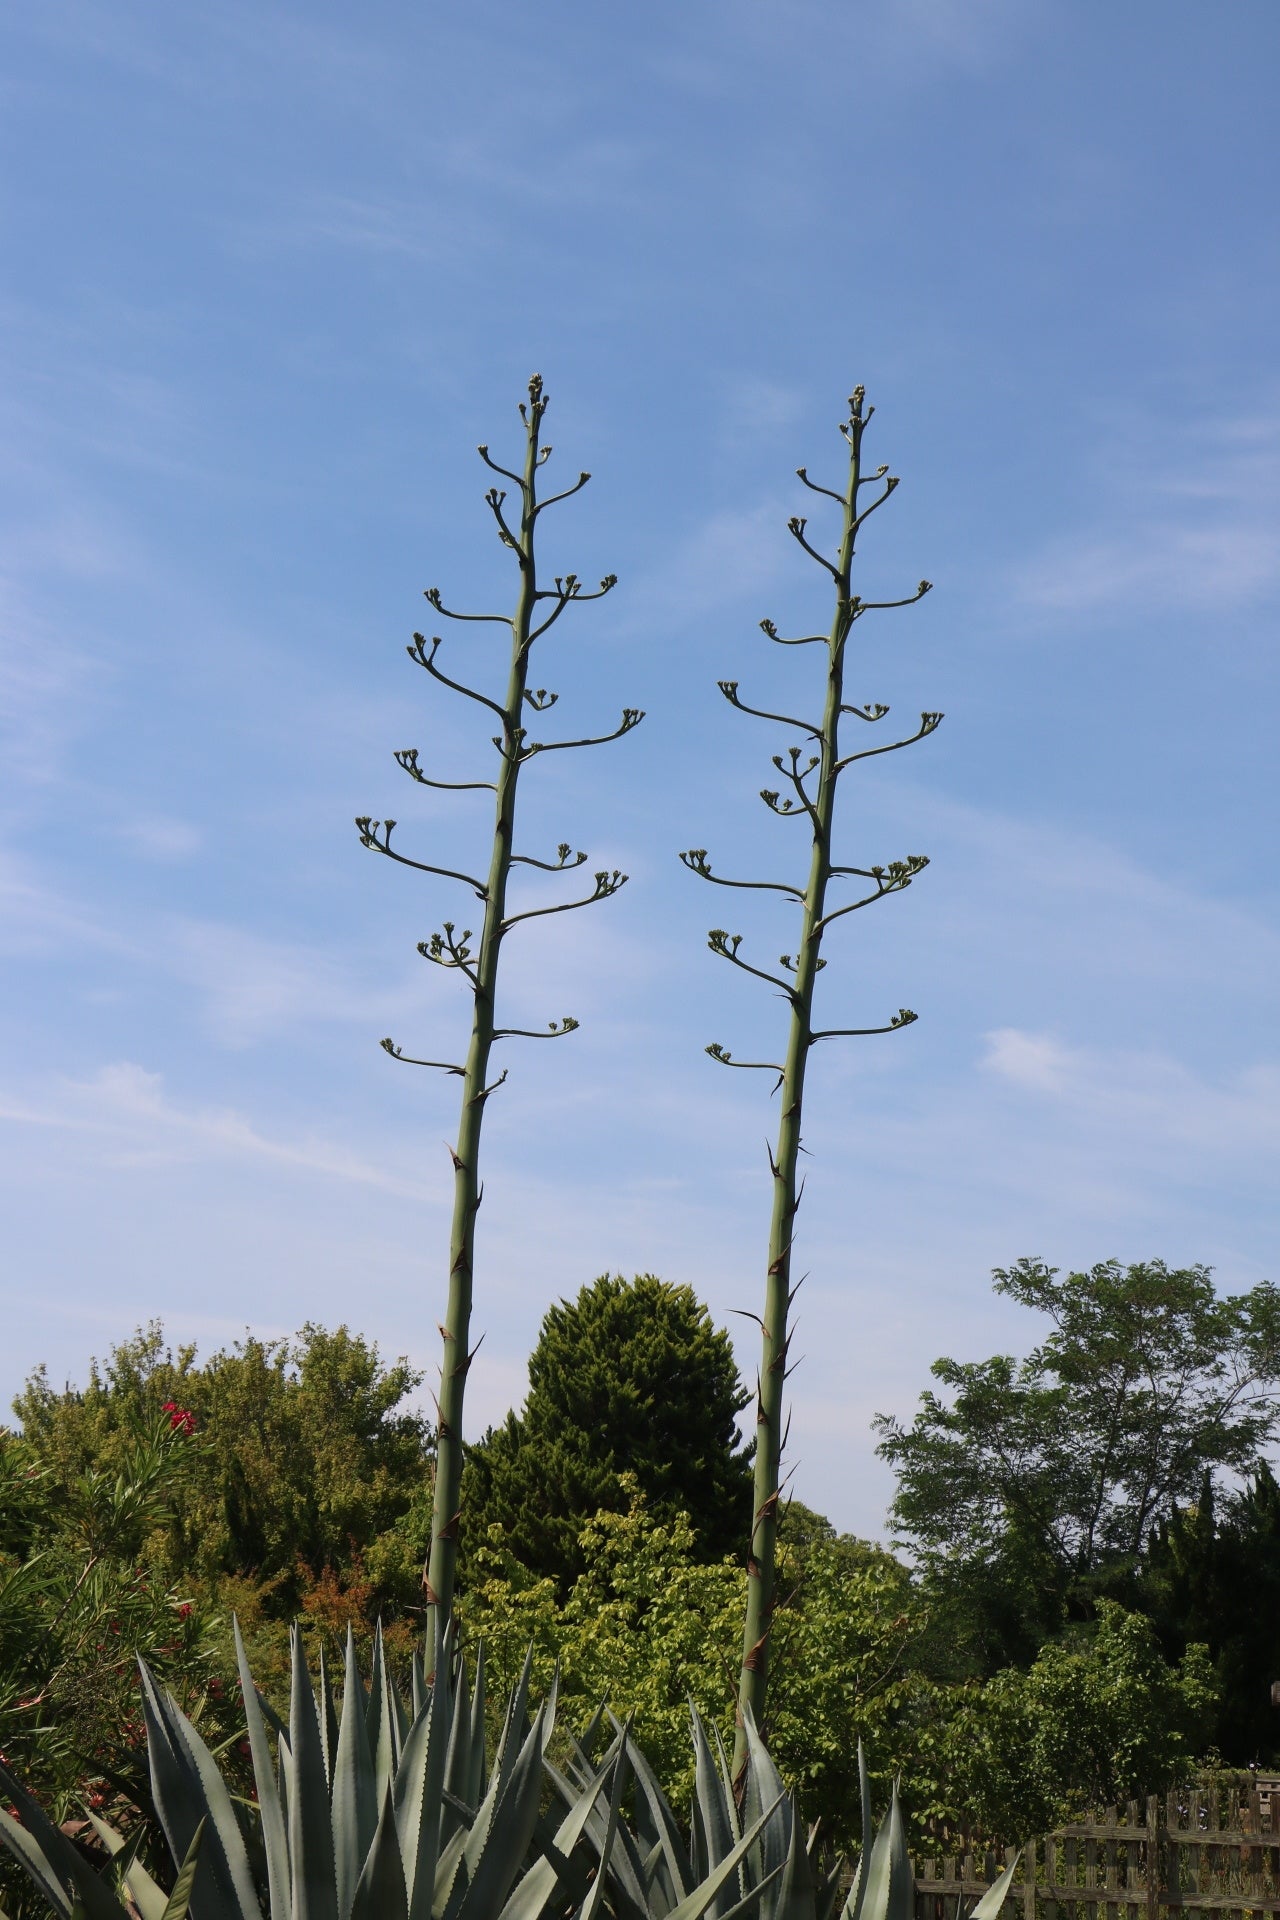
(1206, 1850)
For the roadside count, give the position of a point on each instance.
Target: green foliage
(845, 1643)
(650, 1627)
(81, 1595)
(631, 1378)
(1034, 1488)
(278, 1476)
(1214, 1576)
(647, 1627)
(1098, 1718)
(302, 1460)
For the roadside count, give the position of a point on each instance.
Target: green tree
(1098, 1718)
(1035, 1486)
(1214, 1576)
(649, 1626)
(631, 1378)
(302, 1454)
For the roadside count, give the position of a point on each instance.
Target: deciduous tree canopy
(1035, 1485)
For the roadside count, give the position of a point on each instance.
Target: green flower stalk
(476, 957)
(811, 773)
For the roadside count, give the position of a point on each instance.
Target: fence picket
(1211, 1853)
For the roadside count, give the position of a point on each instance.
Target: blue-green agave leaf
(419, 1792)
(355, 1793)
(147, 1896)
(380, 1894)
(180, 1899)
(383, 1716)
(630, 1885)
(889, 1890)
(275, 1839)
(187, 1787)
(591, 1905)
(451, 1875)
(794, 1900)
(712, 1832)
(764, 1787)
(853, 1905)
(500, 1836)
(754, 1902)
(328, 1720)
(475, 1783)
(24, 1842)
(314, 1886)
(726, 1777)
(695, 1904)
(503, 1791)
(659, 1828)
(548, 1877)
(988, 1908)
(284, 1777)
(457, 1772)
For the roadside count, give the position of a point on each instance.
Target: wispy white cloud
(728, 556)
(1192, 523)
(1158, 1105)
(37, 917)
(161, 837)
(125, 1119)
(410, 229)
(44, 694)
(252, 985)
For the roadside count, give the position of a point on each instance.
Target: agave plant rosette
(387, 1809)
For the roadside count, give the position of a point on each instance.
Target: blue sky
(270, 272)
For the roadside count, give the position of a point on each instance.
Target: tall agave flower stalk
(476, 958)
(811, 773)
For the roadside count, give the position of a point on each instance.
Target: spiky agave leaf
(186, 1789)
(419, 1788)
(176, 1906)
(64, 1878)
(355, 1799)
(700, 1900)
(500, 1833)
(386, 1719)
(275, 1833)
(311, 1826)
(380, 1892)
(615, 1848)
(793, 1897)
(127, 1869)
(70, 1884)
(764, 1786)
(853, 1905)
(713, 1836)
(887, 1892)
(554, 1874)
(667, 1862)
(988, 1908)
